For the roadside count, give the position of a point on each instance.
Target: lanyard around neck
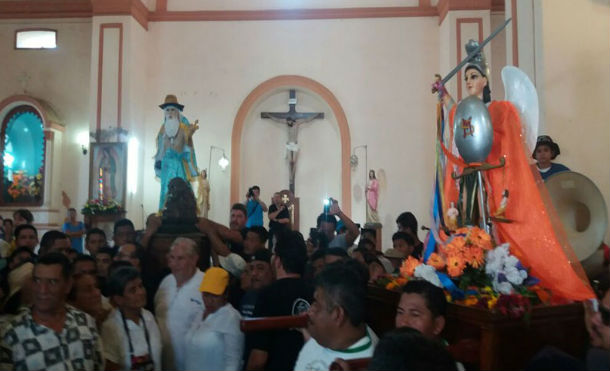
(129, 337)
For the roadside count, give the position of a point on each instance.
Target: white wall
(497, 47)
(182, 5)
(379, 69)
(576, 83)
(264, 162)
(60, 77)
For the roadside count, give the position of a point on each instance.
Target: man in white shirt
(336, 318)
(178, 301)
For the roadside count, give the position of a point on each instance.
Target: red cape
(533, 235)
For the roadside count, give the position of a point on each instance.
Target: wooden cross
(293, 119)
(285, 199)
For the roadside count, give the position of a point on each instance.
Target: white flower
(495, 258)
(428, 273)
(503, 287)
(515, 276)
(511, 261)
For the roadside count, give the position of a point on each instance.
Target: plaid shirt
(27, 345)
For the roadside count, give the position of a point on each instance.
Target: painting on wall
(23, 153)
(108, 172)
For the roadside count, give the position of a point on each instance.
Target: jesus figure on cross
(293, 120)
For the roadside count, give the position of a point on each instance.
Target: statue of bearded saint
(175, 155)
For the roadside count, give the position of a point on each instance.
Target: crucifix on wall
(293, 120)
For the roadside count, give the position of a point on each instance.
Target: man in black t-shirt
(259, 276)
(279, 218)
(288, 295)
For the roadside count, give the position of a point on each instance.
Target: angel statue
(372, 196)
(525, 224)
(175, 155)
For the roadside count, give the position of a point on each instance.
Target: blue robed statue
(175, 157)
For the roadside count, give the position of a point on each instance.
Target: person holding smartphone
(327, 224)
(255, 207)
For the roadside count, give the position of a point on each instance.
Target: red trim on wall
(287, 14)
(513, 22)
(73, 9)
(45, 9)
(444, 6)
(135, 8)
(120, 82)
(100, 66)
(443, 9)
(161, 6)
(140, 12)
(497, 5)
(458, 33)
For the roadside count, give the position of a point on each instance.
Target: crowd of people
(95, 304)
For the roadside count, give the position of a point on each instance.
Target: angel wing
(519, 90)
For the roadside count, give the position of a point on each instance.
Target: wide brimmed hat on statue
(545, 140)
(171, 101)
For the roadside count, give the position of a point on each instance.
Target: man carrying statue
(175, 155)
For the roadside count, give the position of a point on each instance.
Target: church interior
(104, 102)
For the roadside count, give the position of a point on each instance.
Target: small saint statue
(372, 196)
(203, 194)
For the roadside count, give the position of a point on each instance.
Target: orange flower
(457, 246)
(408, 266)
(481, 239)
(463, 230)
(475, 256)
(455, 265)
(436, 261)
(469, 301)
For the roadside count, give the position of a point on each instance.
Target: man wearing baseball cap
(260, 276)
(215, 341)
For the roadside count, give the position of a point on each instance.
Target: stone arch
(292, 81)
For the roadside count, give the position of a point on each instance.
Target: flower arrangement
(474, 272)
(23, 187)
(102, 207)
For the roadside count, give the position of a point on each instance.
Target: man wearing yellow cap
(215, 341)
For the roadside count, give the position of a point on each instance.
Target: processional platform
(500, 342)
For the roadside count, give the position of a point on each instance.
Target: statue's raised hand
(195, 126)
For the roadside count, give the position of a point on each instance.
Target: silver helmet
(478, 61)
